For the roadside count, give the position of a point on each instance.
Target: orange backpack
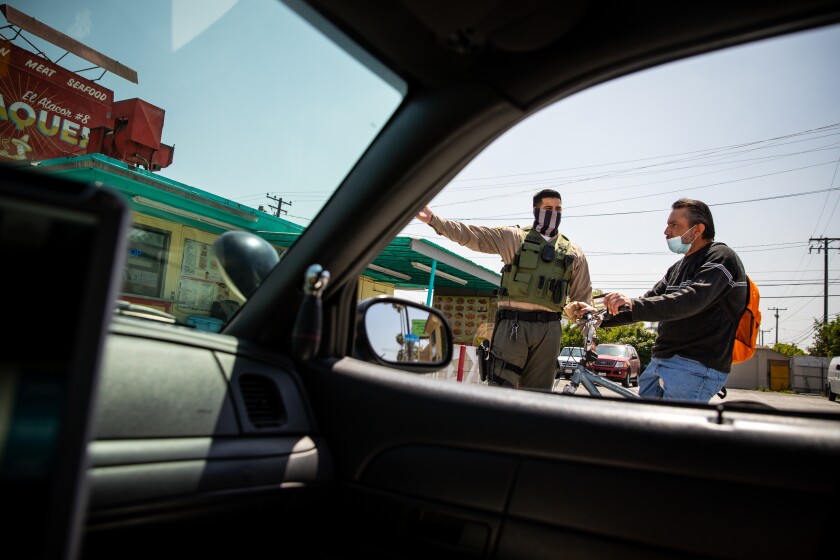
(744, 346)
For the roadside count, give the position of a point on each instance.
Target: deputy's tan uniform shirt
(505, 241)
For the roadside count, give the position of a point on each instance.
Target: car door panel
(473, 479)
(539, 468)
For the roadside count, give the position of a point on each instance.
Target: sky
(256, 100)
(753, 131)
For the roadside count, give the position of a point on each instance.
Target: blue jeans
(678, 378)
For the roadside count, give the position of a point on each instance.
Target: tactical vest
(540, 272)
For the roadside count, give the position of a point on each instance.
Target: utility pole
(776, 309)
(761, 334)
(279, 207)
(825, 247)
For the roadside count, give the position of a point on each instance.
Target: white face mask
(676, 244)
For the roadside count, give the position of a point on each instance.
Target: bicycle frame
(585, 376)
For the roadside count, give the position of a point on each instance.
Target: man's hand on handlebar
(616, 302)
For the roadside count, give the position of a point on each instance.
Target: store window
(145, 267)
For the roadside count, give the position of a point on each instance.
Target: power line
(825, 205)
(705, 153)
(659, 193)
(788, 297)
(607, 214)
(623, 174)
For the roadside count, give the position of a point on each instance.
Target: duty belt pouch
(483, 354)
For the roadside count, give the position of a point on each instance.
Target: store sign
(46, 111)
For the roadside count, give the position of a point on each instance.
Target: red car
(618, 362)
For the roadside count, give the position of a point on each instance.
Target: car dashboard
(191, 424)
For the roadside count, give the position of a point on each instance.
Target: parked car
(568, 360)
(618, 362)
(832, 385)
(305, 427)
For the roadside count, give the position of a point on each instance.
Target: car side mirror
(402, 334)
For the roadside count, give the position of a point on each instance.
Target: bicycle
(583, 375)
(591, 381)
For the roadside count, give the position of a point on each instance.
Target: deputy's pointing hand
(425, 215)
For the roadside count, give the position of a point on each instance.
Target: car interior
(293, 432)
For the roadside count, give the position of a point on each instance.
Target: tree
(636, 335)
(788, 349)
(827, 339)
(572, 336)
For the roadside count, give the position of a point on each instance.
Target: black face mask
(546, 222)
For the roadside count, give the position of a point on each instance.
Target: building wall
(468, 370)
(754, 373)
(809, 374)
(371, 288)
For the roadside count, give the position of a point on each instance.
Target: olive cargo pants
(525, 352)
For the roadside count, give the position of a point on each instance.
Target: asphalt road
(808, 402)
(780, 401)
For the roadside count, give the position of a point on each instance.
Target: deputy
(542, 270)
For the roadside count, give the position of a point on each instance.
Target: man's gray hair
(698, 213)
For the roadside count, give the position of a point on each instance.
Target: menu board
(201, 280)
(466, 315)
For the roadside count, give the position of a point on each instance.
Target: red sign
(46, 111)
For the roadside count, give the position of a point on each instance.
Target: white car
(833, 382)
(567, 361)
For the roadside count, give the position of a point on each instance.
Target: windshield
(569, 351)
(613, 351)
(201, 123)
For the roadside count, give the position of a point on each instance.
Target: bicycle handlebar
(599, 314)
(589, 322)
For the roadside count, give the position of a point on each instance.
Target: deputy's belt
(535, 316)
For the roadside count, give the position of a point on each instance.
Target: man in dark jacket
(697, 304)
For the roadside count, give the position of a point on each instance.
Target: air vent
(262, 401)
